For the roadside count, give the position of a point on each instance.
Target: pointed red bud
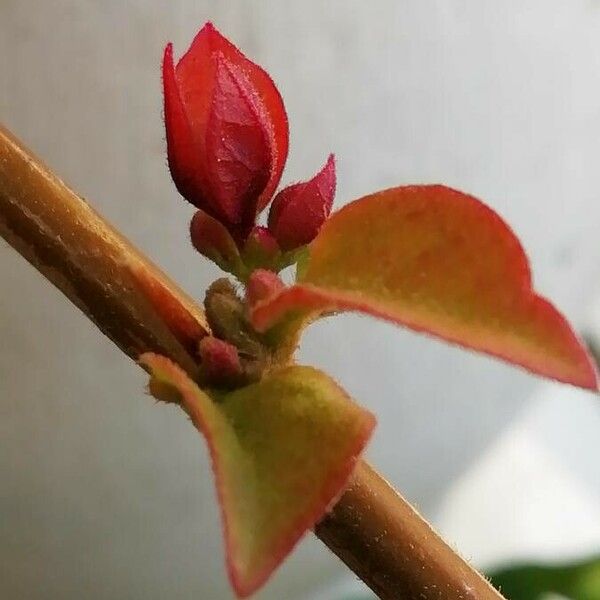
(227, 131)
(261, 285)
(220, 361)
(299, 211)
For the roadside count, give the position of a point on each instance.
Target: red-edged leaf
(438, 261)
(282, 450)
(196, 78)
(299, 211)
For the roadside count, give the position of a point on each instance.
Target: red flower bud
(227, 131)
(261, 285)
(299, 210)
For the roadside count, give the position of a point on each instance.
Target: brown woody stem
(88, 260)
(381, 537)
(371, 528)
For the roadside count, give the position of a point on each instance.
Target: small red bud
(261, 237)
(220, 361)
(212, 240)
(299, 211)
(261, 285)
(261, 248)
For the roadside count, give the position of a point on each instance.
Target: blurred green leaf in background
(575, 581)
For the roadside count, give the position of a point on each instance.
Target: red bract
(227, 131)
(299, 211)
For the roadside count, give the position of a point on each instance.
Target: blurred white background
(105, 495)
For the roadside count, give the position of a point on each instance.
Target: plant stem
(86, 258)
(381, 537)
(371, 528)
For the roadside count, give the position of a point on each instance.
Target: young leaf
(438, 261)
(282, 451)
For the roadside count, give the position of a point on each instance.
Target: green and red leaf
(282, 451)
(438, 261)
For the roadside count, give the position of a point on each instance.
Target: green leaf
(576, 581)
(282, 451)
(440, 262)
